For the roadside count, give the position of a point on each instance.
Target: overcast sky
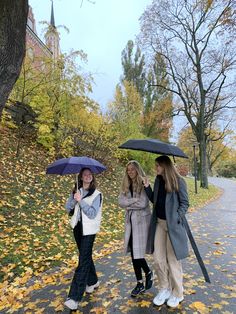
(101, 30)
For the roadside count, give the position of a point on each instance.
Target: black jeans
(85, 273)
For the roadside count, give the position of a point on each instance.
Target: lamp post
(195, 167)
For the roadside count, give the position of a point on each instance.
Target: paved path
(214, 229)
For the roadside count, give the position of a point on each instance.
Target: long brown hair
(137, 184)
(170, 174)
(92, 185)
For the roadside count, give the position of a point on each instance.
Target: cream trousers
(168, 268)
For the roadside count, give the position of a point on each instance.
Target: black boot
(138, 289)
(149, 280)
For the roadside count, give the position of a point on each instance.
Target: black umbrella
(154, 146)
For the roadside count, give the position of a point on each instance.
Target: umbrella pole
(77, 183)
(195, 249)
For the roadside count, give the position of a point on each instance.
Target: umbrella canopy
(73, 165)
(154, 146)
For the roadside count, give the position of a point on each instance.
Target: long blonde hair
(137, 183)
(170, 173)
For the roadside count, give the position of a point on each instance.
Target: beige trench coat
(137, 220)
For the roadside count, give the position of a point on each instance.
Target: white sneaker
(71, 304)
(90, 289)
(161, 297)
(174, 301)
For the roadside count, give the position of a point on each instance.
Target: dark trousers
(138, 263)
(85, 273)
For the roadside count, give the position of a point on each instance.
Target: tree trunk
(210, 171)
(203, 164)
(13, 20)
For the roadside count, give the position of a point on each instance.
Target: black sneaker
(149, 280)
(138, 289)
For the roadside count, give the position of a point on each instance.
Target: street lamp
(195, 167)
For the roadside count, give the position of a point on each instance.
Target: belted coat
(176, 205)
(137, 221)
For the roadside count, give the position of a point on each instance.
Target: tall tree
(13, 20)
(126, 111)
(158, 108)
(196, 41)
(157, 102)
(133, 67)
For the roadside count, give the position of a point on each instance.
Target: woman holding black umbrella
(137, 219)
(167, 235)
(85, 203)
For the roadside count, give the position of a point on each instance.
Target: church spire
(52, 37)
(52, 22)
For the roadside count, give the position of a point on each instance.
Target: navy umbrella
(154, 146)
(73, 165)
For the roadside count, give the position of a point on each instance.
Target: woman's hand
(145, 181)
(77, 196)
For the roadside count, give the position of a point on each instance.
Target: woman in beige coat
(137, 219)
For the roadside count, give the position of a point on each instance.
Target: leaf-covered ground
(36, 244)
(214, 230)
